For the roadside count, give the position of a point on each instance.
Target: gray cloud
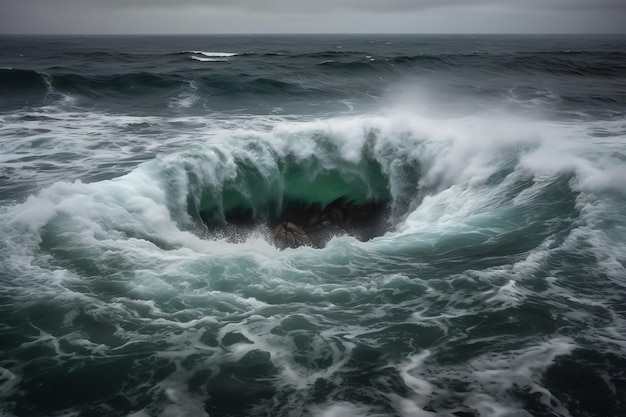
(245, 16)
(322, 6)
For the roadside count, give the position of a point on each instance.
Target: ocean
(496, 287)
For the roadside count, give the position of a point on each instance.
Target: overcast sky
(311, 16)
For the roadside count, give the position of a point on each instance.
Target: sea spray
(496, 287)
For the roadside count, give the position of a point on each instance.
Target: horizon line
(326, 34)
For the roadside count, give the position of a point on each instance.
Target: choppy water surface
(499, 288)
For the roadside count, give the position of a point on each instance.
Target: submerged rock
(287, 234)
(315, 226)
(300, 224)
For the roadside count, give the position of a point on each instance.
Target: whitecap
(202, 59)
(187, 98)
(214, 54)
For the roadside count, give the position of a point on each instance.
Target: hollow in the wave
(304, 224)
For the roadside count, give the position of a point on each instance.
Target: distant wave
(203, 56)
(329, 54)
(202, 59)
(24, 87)
(323, 76)
(213, 54)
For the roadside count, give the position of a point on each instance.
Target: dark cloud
(197, 16)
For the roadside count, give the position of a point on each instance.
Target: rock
(315, 226)
(288, 234)
(304, 224)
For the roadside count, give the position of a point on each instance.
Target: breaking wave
(140, 270)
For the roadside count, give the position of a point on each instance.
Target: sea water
(498, 288)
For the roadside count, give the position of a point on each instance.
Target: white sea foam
(53, 95)
(124, 249)
(498, 373)
(410, 374)
(203, 56)
(8, 381)
(458, 198)
(505, 254)
(344, 409)
(456, 161)
(187, 98)
(205, 59)
(214, 54)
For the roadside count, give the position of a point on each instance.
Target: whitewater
(498, 287)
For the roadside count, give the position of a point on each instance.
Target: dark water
(499, 288)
